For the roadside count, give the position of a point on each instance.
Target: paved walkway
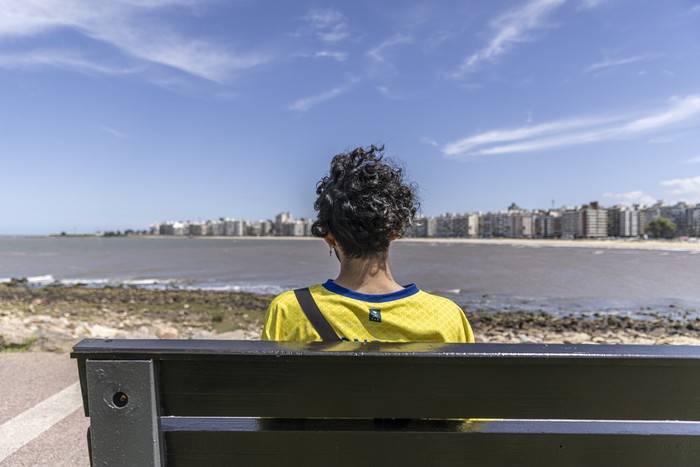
(41, 415)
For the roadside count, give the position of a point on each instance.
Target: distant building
(495, 224)
(520, 222)
(198, 229)
(281, 220)
(594, 221)
(216, 228)
(678, 214)
(548, 225)
(235, 228)
(571, 223)
(693, 221)
(423, 227)
(624, 221)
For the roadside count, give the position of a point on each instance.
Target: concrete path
(41, 415)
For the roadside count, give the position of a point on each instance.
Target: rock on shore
(54, 318)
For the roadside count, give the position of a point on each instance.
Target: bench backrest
(347, 403)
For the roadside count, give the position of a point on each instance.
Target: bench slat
(348, 380)
(338, 448)
(469, 387)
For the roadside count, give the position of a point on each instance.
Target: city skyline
(591, 220)
(115, 116)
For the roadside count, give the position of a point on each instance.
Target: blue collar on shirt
(408, 290)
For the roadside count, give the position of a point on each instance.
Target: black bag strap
(314, 315)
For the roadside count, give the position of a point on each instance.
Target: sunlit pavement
(41, 416)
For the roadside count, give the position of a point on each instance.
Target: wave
(176, 284)
(258, 289)
(37, 280)
(118, 282)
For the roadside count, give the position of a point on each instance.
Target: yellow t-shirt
(409, 315)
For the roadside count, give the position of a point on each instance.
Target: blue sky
(116, 114)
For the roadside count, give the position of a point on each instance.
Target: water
(477, 276)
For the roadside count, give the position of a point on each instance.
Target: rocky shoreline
(55, 317)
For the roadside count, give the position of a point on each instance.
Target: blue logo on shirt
(375, 315)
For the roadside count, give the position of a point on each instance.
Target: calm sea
(477, 276)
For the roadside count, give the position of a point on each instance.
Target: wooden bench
(204, 403)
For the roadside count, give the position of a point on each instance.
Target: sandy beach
(54, 318)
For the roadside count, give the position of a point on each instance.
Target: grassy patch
(23, 347)
(231, 320)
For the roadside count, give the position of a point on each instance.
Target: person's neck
(367, 275)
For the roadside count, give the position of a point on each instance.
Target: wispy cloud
(113, 132)
(377, 52)
(329, 25)
(576, 131)
(631, 197)
(389, 94)
(429, 141)
(689, 188)
(509, 29)
(695, 9)
(60, 59)
(693, 160)
(605, 64)
(302, 105)
(337, 56)
(124, 25)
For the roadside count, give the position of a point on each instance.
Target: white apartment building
(216, 228)
(521, 224)
(571, 223)
(235, 227)
(624, 221)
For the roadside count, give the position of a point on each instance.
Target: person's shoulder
(283, 299)
(437, 299)
(288, 299)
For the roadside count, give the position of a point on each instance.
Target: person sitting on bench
(363, 204)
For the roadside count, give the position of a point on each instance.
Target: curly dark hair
(364, 202)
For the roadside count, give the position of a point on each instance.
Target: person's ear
(330, 240)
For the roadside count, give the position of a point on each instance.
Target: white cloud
(302, 105)
(329, 25)
(695, 9)
(337, 56)
(377, 52)
(689, 188)
(576, 131)
(429, 141)
(614, 63)
(509, 29)
(60, 59)
(123, 25)
(693, 160)
(471, 143)
(113, 132)
(631, 197)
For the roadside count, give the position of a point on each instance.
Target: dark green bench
(204, 403)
